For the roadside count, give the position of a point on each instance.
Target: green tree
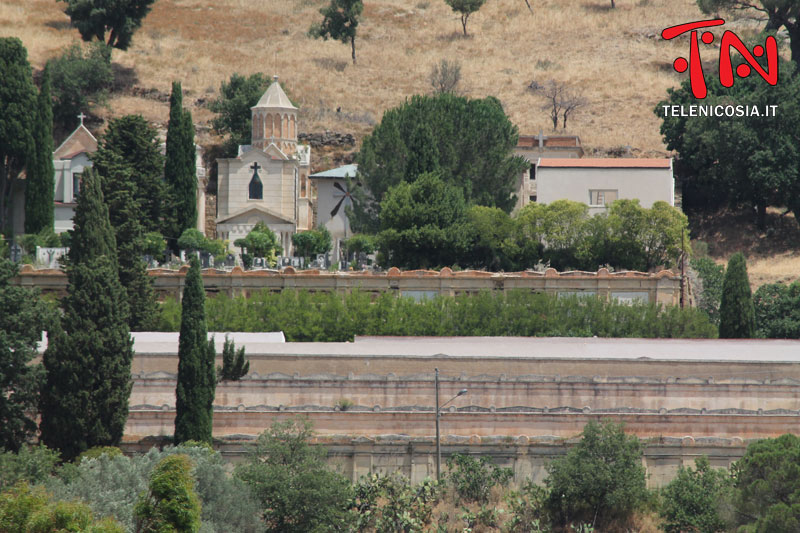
(82, 78)
(712, 277)
(465, 8)
(697, 499)
(136, 145)
(710, 149)
(119, 191)
(180, 169)
(39, 186)
(22, 321)
(777, 310)
(88, 359)
(18, 116)
(236, 97)
(736, 312)
(171, 503)
(474, 140)
(298, 492)
(339, 22)
(600, 480)
(423, 224)
(494, 246)
(778, 13)
(261, 242)
(119, 18)
(312, 242)
(767, 481)
(194, 408)
(473, 479)
(234, 363)
(359, 244)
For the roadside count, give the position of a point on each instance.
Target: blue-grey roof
(337, 173)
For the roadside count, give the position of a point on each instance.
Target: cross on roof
(81, 116)
(255, 166)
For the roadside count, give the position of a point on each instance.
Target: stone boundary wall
(415, 457)
(663, 287)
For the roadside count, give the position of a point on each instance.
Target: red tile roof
(605, 163)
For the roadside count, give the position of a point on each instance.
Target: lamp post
(438, 414)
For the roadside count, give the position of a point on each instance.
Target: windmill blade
(338, 186)
(336, 209)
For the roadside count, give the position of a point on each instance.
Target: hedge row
(331, 317)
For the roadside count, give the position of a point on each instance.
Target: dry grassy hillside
(615, 56)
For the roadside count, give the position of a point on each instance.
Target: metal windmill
(344, 197)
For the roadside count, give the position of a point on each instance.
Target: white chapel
(268, 180)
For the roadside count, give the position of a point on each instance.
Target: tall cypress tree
(39, 187)
(736, 312)
(196, 373)
(180, 168)
(88, 361)
(124, 214)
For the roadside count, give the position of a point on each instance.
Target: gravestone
(50, 257)
(230, 260)
(205, 260)
(258, 262)
(16, 252)
(297, 262)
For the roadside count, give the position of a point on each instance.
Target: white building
(332, 198)
(534, 147)
(268, 180)
(69, 161)
(598, 182)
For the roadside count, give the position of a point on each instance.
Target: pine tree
(180, 170)
(88, 361)
(119, 190)
(196, 355)
(39, 188)
(234, 363)
(737, 316)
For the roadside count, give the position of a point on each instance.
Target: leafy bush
(527, 509)
(81, 77)
(170, 504)
(26, 510)
(44, 239)
(261, 242)
(473, 479)
(392, 504)
(695, 500)
(98, 451)
(111, 485)
(153, 244)
(297, 490)
(33, 464)
(777, 308)
(331, 317)
(599, 481)
(312, 242)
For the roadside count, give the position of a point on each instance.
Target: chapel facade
(268, 180)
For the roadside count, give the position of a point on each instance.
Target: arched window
(256, 189)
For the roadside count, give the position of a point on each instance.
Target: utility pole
(438, 442)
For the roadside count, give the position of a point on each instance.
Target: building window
(76, 185)
(532, 198)
(602, 197)
(256, 189)
(532, 172)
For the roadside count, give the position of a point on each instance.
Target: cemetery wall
(662, 287)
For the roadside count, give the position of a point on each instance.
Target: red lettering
(730, 40)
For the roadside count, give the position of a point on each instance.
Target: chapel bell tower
(275, 120)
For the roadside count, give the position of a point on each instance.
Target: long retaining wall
(371, 401)
(663, 287)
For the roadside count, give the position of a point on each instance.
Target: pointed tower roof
(79, 141)
(274, 97)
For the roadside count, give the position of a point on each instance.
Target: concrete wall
(649, 185)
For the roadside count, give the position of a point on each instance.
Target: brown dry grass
(773, 255)
(614, 56)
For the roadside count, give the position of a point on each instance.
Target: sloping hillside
(616, 57)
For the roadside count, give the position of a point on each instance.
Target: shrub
(297, 490)
(392, 504)
(527, 509)
(170, 504)
(110, 486)
(445, 76)
(736, 312)
(696, 499)
(600, 480)
(473, 479)
(777, 311)
(33, 464)
(98, 451)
